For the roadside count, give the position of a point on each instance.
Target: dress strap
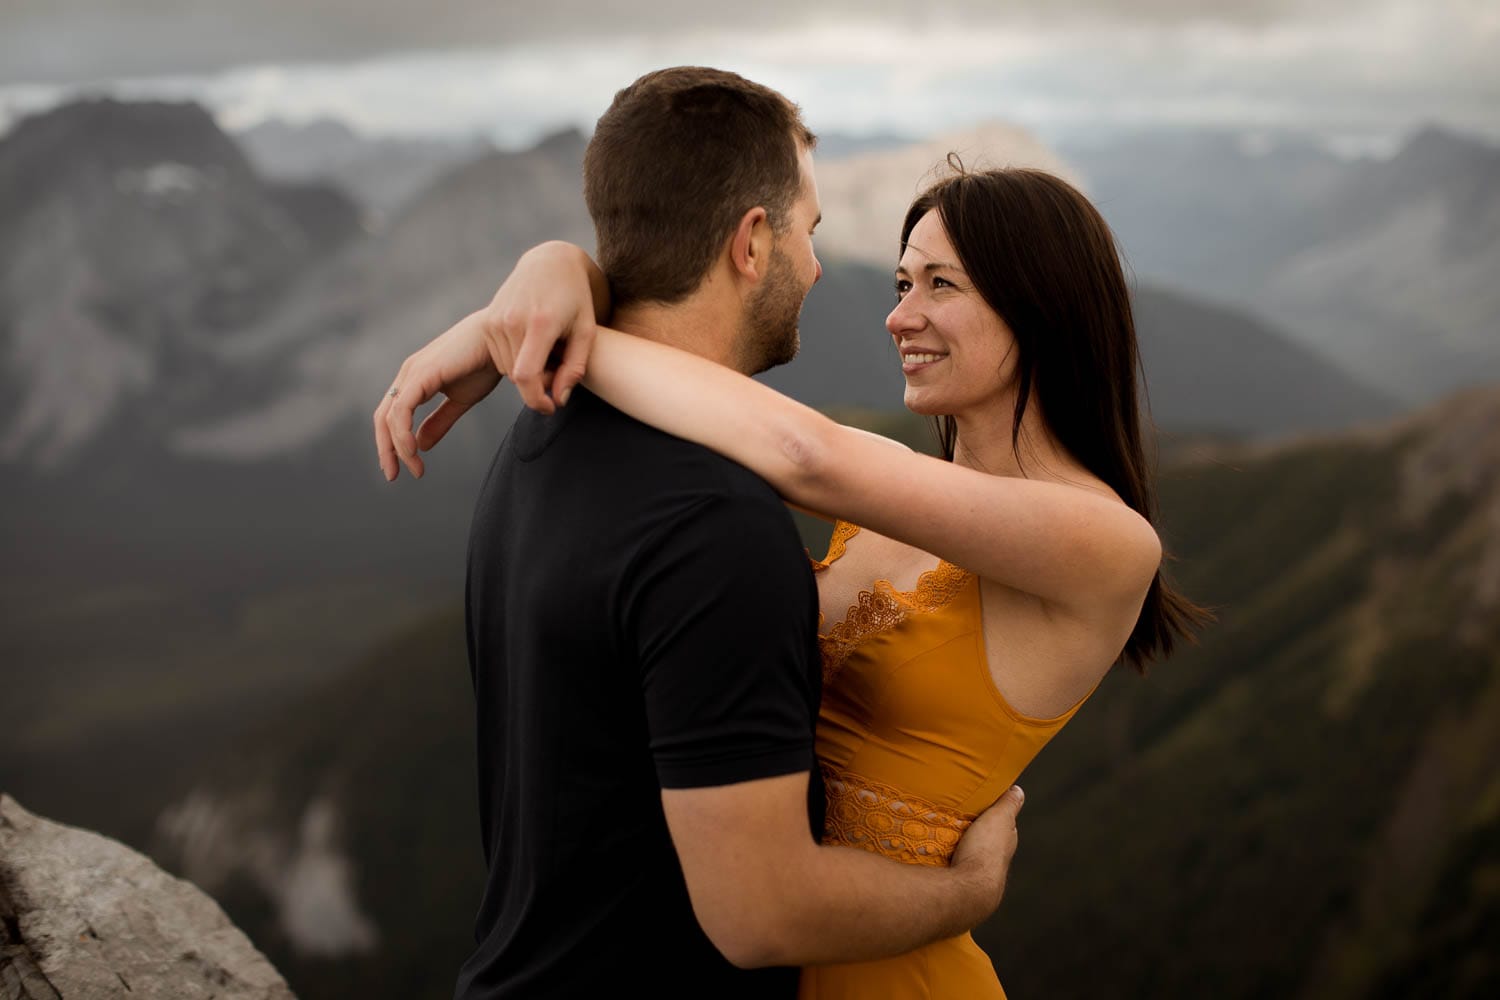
(842, 532)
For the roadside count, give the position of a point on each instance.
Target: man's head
(675, 164)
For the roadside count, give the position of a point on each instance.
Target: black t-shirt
(641, 615)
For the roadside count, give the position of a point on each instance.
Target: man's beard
(768, 332)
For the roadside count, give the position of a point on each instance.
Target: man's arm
(721, 609)
(767, 894)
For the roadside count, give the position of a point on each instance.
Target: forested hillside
(1303, 804)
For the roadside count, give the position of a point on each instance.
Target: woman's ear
(750, 246)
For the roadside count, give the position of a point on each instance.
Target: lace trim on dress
(885, 820)
(842, 532)
(883, 608)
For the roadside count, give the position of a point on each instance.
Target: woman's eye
(941, 283)
(902, 287)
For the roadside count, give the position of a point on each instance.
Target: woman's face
(956, 352)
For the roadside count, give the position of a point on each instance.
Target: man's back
(640, 616)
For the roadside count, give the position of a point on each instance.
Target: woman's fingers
(547, 298)
(574, 363)
(419, 383)
(438, 423)
(464, 364)
(385, 448)
(539, 335)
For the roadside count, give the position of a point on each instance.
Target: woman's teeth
(921, 359)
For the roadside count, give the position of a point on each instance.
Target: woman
(969, 606)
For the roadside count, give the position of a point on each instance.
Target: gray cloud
(76, 41)
(1358, 73)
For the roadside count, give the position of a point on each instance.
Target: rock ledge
(84, 917)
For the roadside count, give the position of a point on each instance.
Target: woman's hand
(550, 296)
(459, 364)
(556, 292)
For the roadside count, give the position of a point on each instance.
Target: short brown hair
(674, 163)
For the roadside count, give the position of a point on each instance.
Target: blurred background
(229, 643)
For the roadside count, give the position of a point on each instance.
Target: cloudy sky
(1356, 71)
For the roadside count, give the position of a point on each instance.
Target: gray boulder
(84, 917)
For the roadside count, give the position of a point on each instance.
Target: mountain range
(190, 351)
(1385, 266)
(272, 323)
(382, 173)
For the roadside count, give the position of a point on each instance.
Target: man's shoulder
(655, 463)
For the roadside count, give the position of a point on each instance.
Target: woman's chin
(924, 404)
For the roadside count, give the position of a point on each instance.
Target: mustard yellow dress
(914, 741)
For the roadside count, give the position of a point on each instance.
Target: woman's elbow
(1137, 554)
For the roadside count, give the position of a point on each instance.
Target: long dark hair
(1045, 260)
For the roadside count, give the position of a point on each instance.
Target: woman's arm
(556, 292)
(1066, 545)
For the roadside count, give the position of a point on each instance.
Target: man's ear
(750, 246)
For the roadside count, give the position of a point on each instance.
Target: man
(641, 616)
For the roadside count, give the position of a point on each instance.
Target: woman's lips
(917, 361)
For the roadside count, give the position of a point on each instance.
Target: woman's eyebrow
(932, 265)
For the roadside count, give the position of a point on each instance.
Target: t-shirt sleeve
(722, 614)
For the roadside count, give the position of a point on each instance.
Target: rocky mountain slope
(131, 237)
(350, 323)
(1384, 265)
(381, 173)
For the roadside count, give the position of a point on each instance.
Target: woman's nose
(904, 318)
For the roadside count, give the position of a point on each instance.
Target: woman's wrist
(556, 258)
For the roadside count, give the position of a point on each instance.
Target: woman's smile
(914, 361)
